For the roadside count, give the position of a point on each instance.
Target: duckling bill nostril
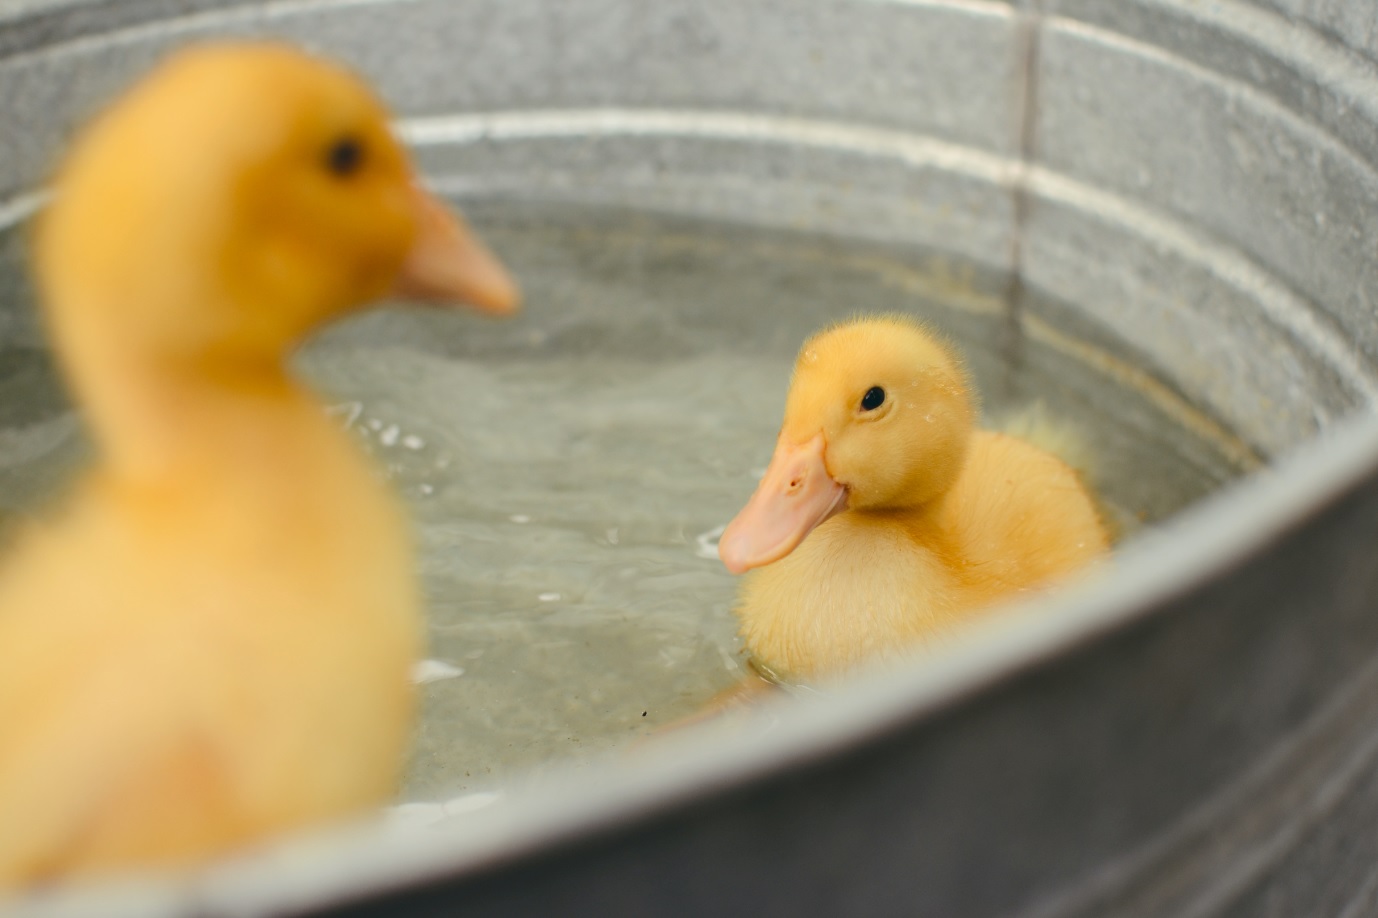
(795, 495)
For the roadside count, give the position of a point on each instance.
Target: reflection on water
(569, 471)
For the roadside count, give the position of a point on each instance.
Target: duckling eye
(345, 156)
(873, 399)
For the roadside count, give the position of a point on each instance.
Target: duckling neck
(928, 526)
(155, 419)
(926, 516)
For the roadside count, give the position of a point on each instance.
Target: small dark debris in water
(643, 713)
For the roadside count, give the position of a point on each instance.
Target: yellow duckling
(913, 517)
(212, 640)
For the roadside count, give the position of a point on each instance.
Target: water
(568, 471)
(558, 506)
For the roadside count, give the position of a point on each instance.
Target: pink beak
(793, 499)
(449, 264)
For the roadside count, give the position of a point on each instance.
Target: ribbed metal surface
(1188, 187)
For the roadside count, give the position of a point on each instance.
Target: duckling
(210, 640)
(885, 517)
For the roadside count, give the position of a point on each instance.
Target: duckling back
(1018, 518)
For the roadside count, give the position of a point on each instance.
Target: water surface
(568, 470)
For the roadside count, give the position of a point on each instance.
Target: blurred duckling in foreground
(885, 517)
(212, 640)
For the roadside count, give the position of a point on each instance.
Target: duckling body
(922, 519)
(210, 641)
(222, 653)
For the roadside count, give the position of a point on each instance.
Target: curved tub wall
(1189, 187)
(1241, 143)
(1113, 178)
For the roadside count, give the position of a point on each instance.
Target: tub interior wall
(1161, 171)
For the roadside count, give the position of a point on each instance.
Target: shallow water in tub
(568, 471)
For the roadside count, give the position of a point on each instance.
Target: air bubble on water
(406, 816)
(348, 412)
(422, 815)
(706, 543)
(468, 803)
(434, 671)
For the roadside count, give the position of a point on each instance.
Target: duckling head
(236, 198)
(878, 418)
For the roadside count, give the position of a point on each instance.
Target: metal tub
(1187, 187)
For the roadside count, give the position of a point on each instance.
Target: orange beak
(449, 264)
(794, 498)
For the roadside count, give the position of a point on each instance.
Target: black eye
(345, 156)
(873, 399)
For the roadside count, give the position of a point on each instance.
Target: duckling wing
(1021, 517)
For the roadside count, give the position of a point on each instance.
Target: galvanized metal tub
(1188, 187)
